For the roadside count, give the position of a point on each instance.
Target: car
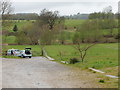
(26, 53)
(14, 52)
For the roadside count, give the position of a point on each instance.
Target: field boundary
(111, 76)
(48, 57)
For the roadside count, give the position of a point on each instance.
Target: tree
(110, 18)
(6, 7)
(15, 29)
(83, 49)
(89, 31)
(28, 35)
(49, 18)
(107, 9)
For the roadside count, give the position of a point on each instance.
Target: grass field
(20, 23)
(99, 56)
(73, 23)
(10, 24)
(69, 32)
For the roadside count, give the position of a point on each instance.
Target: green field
(69, 32)
(99, 56)
(70, 24)
(10, 24)
(20, 23)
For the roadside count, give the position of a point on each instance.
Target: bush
(101, 81)
(65, 27)
(117, 36)
(74, 60)
(4, 53)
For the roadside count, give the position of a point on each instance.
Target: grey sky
(64, 7)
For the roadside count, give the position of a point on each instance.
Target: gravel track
(38, 72)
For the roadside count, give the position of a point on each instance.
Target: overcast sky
(65, 7)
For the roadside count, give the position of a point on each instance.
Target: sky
(65, 7)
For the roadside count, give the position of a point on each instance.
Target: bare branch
(6, 7)
(89, 46)
(83, 50)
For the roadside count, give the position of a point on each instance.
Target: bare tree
(83, 49)
(6, 7)
(107, 9)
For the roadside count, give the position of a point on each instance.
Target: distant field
(10, 24)
(20, 23)
(73, 23)
(69, 32)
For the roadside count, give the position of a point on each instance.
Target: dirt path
(38, 72)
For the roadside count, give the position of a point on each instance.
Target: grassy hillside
(71, 23)
(8, 25)
(69, 29)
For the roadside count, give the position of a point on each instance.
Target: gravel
(39, 72)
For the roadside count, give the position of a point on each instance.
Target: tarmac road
(38, 72)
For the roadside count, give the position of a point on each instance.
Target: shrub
(74, 60)
(117, 36)
(101, 81)
(4, 53)
(65, 27)
(15, 29)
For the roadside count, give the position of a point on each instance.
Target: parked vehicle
(26, 53)
(20, 53)
(14, 52)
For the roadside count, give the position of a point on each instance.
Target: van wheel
(23, 56)
(30, 57)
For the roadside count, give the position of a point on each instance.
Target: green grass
(20, 23)
(10, 39)
(107, 31)
(10, 24)
(10, 57)
(71, 23)
(99, 56)
(69, 33)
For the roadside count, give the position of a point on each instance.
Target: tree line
(103, 15)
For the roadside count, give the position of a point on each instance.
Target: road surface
(38, 72)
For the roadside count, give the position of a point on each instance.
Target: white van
(14, 52)
(26, 53)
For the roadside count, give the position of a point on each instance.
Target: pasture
(69, 29)
(99, 56)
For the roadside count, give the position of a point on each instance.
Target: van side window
(9, 50)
